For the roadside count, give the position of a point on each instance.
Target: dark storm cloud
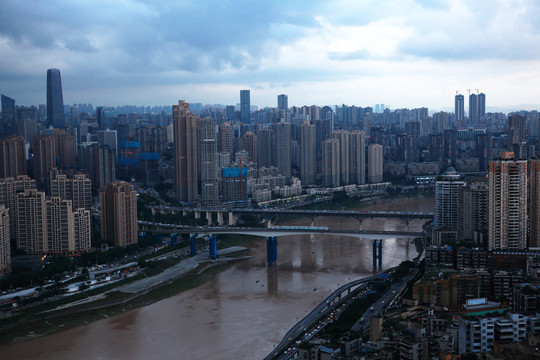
(174, 35)
(104, 46)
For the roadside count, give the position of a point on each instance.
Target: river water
(244, 311)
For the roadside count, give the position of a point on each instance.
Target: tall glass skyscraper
(245, 106)
(460, 108)
(55, 100)
(7, 123)
(283, 102)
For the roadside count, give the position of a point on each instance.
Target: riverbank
(185, 275)
(247, 304)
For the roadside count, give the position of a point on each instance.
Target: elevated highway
(323, 308)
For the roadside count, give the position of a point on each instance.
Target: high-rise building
(459, 109)
(357, 157)
(482, 144)
(83, 229)
(307, 154)
(208, 151)
(283, 102)
(477, 107)
(245, 106)
(186, 145)
(5, 247)
(440, 121)
(508, 203)
(375, 163)
(9, 187)
(473, 210)
(234, 186)
(12, 156)
(413, 128)
(473, 109)
(60, 226)
(49, 226)
(105, 117)
(44, 156)
(516, 130)
(331, 160)
(534, 203)
(481, 106)
(76, 188)
(101, 165)
(55, 100)
(66, 150)
(241, 157)
(118, 203)
(31, 222)
(8, 121)
(108, 137)
(447, 204)
(249, 144)
(226, 138)
(345, 156)
(282, 131)
(265, 148)
(450, 145)
(27, 128)
(229, 112)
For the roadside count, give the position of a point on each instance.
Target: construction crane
(469, 91)
(477, 91)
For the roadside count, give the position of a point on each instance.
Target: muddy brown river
(245, 310)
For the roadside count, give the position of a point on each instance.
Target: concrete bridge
(167, 229)
(271, 235)
(273, 214)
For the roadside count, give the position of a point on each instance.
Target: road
(284, 350)
(389, 299)
(310, 319)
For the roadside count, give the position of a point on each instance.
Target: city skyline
(406, 54)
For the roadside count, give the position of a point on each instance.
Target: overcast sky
(402, 53)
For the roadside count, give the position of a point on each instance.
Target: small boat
(314, 289)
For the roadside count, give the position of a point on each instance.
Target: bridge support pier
(220, 218)
(232, 219)
(192, 245)
(174, 238)
(184, 212)
(153, 211)
(212, 242)
(271, 250)
(197, 214)
(209, 217)
(269, 223)
(377, 255)
(380, 253)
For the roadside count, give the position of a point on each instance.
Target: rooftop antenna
(469, 91)
(477, 91)
(457, 92)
